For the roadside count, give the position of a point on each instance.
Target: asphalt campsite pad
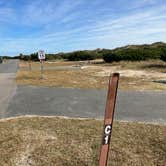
(143, 106)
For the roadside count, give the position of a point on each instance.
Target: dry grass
(48, 64)
(53, 78)
(151, 66)
(44, 141)
(134, 75)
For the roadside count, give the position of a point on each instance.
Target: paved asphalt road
(7, 84)
(144, 106)
(131, 106)
(10, 66)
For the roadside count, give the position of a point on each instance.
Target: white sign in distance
(41, 55)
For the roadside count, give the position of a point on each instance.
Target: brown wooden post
(108, 121)
(30, 68)
(41, 68)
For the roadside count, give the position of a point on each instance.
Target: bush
(34, 57)
(109, 56)
(80, 56)
(53, 56)
(24, 57)
(163, 56)
(132, 54)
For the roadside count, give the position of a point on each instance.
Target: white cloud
(42, 12)
(104, 29)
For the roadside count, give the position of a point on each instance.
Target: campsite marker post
(108, 121)
(41, 57)
(29, 60)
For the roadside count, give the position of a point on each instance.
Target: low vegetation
(71, 56)
(127, 53)
(38, 141)
(136, 53)
(163, 57)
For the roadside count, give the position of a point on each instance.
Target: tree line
(71, 56)
(127, 53)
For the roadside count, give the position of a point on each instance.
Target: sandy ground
(105, 71)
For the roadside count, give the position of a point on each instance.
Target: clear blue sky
(67, 25)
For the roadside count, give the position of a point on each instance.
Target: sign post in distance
(41, 57)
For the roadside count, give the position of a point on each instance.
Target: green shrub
(110, 56)
(132, 54)
(34, 56)
(163, 56)
(24, 57)
(80, 56)
(53, 56)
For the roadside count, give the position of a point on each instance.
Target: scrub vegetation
(128, 53)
